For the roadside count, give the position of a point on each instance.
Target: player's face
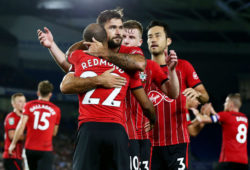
(157, 40)
(18, 103)
(114, 29)
(131, 37)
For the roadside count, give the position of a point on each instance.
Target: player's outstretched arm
(196, 126)
(128, 62)
(11, 134)
(46, 39)
(198, 92)
(74, 85)
(146, 105)
(18, 132)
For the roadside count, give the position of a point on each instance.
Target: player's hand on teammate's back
(171, 59)
(96, 48)
(191, 93)
(109, 80)
(45, 38)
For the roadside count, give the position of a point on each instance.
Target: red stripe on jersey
(171, 124)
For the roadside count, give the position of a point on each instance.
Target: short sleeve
(135, 81)
(159, 77)
(192, 78)
(10, 123)
(75, 56)
(26, 110)
(58, 116)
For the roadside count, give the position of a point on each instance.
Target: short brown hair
(16, 95)
(133, 24)
(107, 15)
(236, 99)
(45, 87)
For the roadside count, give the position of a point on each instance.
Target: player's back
(234, 142)
(43, 116)
(100, 104)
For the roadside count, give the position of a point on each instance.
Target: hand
(206, 109)
(109, 80)
(191, 94)
(171, 59)
(11, 148)
(45, 38)
(96, 48)
(148, 127)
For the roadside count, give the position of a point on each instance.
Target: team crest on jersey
(11, 121)
(143, 76)
(195, 76)
(156, 97)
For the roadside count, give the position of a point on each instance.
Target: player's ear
(38, 93)
(140, 43)
(50, 95)
(169, 41)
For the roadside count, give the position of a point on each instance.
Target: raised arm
(171, 87)
(18, 132)
(74, 85)
(196, 126)
(128, 62)
(46, 40)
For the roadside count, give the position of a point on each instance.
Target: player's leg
(46, 161)
(116, 143)
(86, 155)
(159, 155)
(12, 164)
(178, 159)
(134, 153)
(32, 158)
(145, 154)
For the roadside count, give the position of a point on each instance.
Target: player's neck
(44, 98)
(160, 59)
(18, 112)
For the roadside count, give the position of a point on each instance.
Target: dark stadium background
(214, 35)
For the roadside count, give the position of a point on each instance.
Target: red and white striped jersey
(171, 122)
(136, 123)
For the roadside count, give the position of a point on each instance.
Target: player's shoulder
(130, 50)
(55, 107)
(183, 62)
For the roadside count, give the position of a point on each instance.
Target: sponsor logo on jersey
(156, 97)
(143, 76)
(11, 121)
(195, 76)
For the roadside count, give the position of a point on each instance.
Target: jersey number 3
(109, 100)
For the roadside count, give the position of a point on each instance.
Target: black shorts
(12, 164)
(145, 154)
(101, 146)
(134, 152)
(172, 157)
(39, 160)
(231, 166)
